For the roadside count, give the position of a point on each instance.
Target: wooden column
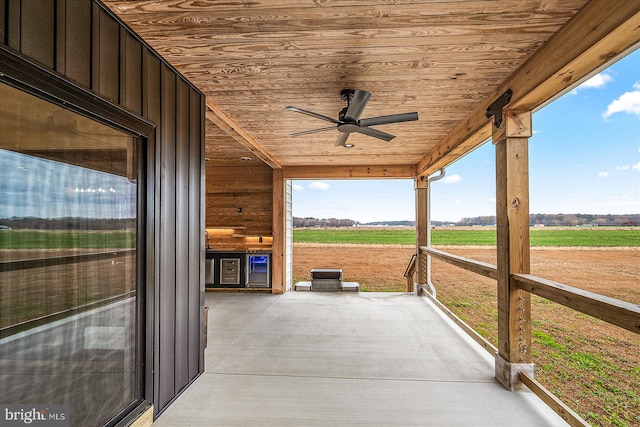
(277, 254)
(422, 228)
(512, 216)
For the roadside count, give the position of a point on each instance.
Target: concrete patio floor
(306, 358)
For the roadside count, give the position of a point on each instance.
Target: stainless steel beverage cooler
(258, 274)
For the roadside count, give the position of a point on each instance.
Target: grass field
(566, 237)
(63, 239)
(483, 236)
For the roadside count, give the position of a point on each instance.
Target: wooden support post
(277, 254)
(512, 216)
(422, 228)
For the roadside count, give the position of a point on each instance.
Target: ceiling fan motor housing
(342, 113)
(349, 118)
(348, 127)
(346, 95)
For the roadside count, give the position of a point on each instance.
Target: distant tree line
(324, 222)
(391, 223)
(69, 223)
(534, 219)
(564, 220)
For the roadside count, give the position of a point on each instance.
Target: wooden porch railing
(619, 313)
(409, 272)
(616, 312)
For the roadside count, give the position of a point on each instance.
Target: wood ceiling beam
(231, 128)
(600, 31)
(345, 172)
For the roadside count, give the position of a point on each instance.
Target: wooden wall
(239, 198)
(86, 44)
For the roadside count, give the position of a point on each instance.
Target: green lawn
(53, 239)
(574, 237)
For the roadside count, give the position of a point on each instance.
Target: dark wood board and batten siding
(197, 208)
(182, 227)
(86, 44)
(167, 243)
(73, 56)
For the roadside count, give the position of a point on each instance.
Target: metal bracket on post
(495, 109)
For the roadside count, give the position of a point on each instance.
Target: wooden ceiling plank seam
(284, 48)
(363, 18)
(297, 10)
(224, 122)
(180, 6)
(598, 32)
(232, 52)
(341, 35)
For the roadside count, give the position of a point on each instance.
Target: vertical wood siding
(196, 249)
(73, 40)
(3, 26)
(167, 272)
(86, 44)
(130, 72)
(37, 31)
(182, 233)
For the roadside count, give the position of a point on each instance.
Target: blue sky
(60, 190)
(584, 157)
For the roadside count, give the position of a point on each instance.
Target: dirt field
(593, 366)
(28, 294)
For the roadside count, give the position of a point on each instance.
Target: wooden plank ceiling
(441, 58)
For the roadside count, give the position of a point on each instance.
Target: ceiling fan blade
(358, 102)
(307, 132)
(393, 118)
(312, 114)
(376, 133)
(342, 139)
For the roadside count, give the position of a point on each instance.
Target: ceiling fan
(349, 120)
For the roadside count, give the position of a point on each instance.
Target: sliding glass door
(70, 262)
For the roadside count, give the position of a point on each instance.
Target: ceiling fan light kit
(349, 118)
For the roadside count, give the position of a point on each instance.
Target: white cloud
(622, 168)
(319, 185)
(452, 178)
(628, 102)
(636, 166)
(595, 82)
(297, 187)
(603, 174)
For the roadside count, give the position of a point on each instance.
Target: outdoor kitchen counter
(216, 247)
